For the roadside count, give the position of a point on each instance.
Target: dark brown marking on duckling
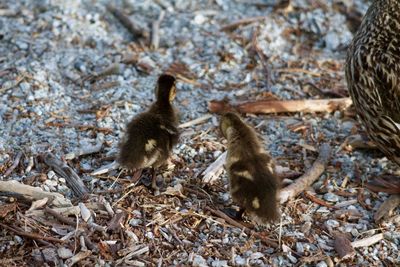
(253, 182)
(151, 135)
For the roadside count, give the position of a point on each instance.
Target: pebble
(219, 263)
(240, 261)
(299, 247)
(256, 255)
(331, 197)
(51, 174)
(321, 264)
(25, 87)
(332, 223)
(22, 45)
(199, 261)
(64, 253)
(51, 183)
(18, 239)
(291, 258)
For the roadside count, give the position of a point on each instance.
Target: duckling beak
(172, 93)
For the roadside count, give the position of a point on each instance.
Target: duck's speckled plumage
(373, 75)
(253, 183)
(151, 135)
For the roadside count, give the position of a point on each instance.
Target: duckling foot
(234, 213)
(154, 182)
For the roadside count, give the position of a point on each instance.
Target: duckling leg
(154, 182)
(234, 214)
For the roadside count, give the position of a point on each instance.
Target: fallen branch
(74, 182)
(279, 106)
(366, 242)
(134, 29)
(232, 222)
(34, 193)
(14, 165)
(31, 235)
(213, 171)
(309, 177)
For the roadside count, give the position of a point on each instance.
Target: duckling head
(229, 123)
(165, 89)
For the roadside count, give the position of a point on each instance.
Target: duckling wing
(148, 142)
(255, 188)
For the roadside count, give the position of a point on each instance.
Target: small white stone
(64, 253)
(331, 197)
(51, 174)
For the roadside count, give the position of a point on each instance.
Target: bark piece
(343, 246)
(74, 182)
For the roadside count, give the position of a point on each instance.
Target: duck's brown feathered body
(253, 183)
(151, 135)
(373, 75)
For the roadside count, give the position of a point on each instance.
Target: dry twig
(309, 177)
(78, 257)
(195, 121)
(133, 28)
(31, 235)
(279, 106)
(14, 165)
(234, 25)
(155, 31)
(264, 60)
(232, 222)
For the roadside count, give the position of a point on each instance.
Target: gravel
(50, 45)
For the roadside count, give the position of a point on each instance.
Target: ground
(238, 50)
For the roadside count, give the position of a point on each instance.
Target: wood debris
(281, 106)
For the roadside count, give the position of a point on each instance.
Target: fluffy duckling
(151, 135)
(253, 183)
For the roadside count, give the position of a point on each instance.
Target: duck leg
(360, 141)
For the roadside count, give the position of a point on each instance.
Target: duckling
(373, 79)
(253, 182)
(151, 135)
